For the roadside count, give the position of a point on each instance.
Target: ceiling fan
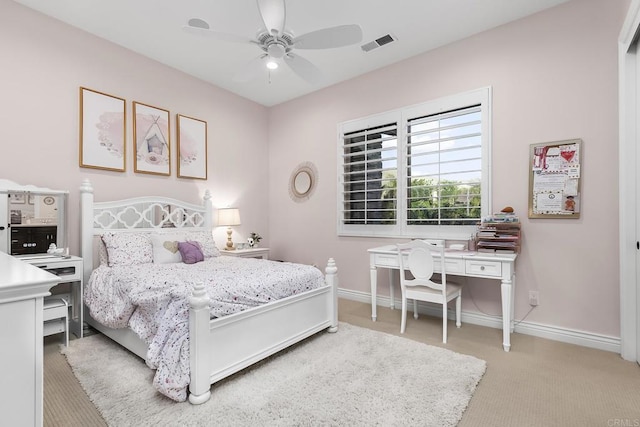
(278, 44)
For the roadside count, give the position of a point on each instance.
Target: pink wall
(43, 64)
(554, 77)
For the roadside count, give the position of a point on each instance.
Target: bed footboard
(225, 345)
(199, 386)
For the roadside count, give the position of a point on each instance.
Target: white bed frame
(222, 346)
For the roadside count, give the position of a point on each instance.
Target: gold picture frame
(192, 147)
(102, 131)
(554, 179)
(151, 140)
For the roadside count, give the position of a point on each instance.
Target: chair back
(420, 263)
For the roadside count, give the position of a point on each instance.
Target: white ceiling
(153, 28)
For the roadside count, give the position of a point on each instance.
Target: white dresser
(22, 288)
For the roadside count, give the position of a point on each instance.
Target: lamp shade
(228, 216)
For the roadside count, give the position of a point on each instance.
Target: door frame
(629, 109)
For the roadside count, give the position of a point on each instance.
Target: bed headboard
(138, 214)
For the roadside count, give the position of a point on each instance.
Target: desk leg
(75, 322)
(506, 313)
(373, 272)
(513, 297)
(391, 289)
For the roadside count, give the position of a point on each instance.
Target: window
(421, 171)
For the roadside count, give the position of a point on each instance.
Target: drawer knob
(482, 267)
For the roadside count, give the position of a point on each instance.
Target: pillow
(207, 244)
(190, 251)
(128, 248)
(102, 253)
(165, 248)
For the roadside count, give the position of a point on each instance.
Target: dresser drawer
(484, 268)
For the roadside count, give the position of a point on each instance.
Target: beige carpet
(65, 402)
(539, 383)
(356, 377)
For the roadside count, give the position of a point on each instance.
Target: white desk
(458, 263)
(69, 270)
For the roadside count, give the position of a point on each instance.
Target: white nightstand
(247, 253)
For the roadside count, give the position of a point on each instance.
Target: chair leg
(66, 335)
(403, 322)
(444, 323)
(415, 308)
(458, 310)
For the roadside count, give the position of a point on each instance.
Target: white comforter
(152, 300)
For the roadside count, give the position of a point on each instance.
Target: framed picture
(18, 198)
(16, 216)
(554, 179)
(151, 140)
(192, 147)
(102, 131)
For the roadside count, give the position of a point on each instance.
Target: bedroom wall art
(192, 147)
(151, 140)
(303, 182)
(102, 131)
(17, 198)
(554, 179)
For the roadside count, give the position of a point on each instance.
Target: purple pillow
(190, 251)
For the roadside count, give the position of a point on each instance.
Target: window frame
(402, 116)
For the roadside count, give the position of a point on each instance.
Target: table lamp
(229, 217)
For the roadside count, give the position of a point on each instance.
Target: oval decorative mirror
(303, 181)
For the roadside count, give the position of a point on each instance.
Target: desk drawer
(484, 268)
(453, 266)
(382, 260)
(69, 271)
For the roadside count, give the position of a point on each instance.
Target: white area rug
(353, 377)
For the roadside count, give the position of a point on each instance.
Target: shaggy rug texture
(355, 377)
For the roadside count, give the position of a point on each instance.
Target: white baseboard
(585, 339)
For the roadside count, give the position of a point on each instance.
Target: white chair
(416, 257)
(56, 317)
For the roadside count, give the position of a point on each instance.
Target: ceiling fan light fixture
(277, 44)
(276, 50)
(272, 64)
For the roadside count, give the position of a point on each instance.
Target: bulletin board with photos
(554, 179)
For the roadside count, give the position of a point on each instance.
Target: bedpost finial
(207, 195)
(199, 298)
(331, 268)
(86, 186)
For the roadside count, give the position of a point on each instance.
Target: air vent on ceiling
(386, 39)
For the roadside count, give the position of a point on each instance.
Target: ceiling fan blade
(251, 70)
(201, 28)
(342, 35)
(273, 15)
(303, 68)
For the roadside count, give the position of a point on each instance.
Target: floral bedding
(152, 300)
